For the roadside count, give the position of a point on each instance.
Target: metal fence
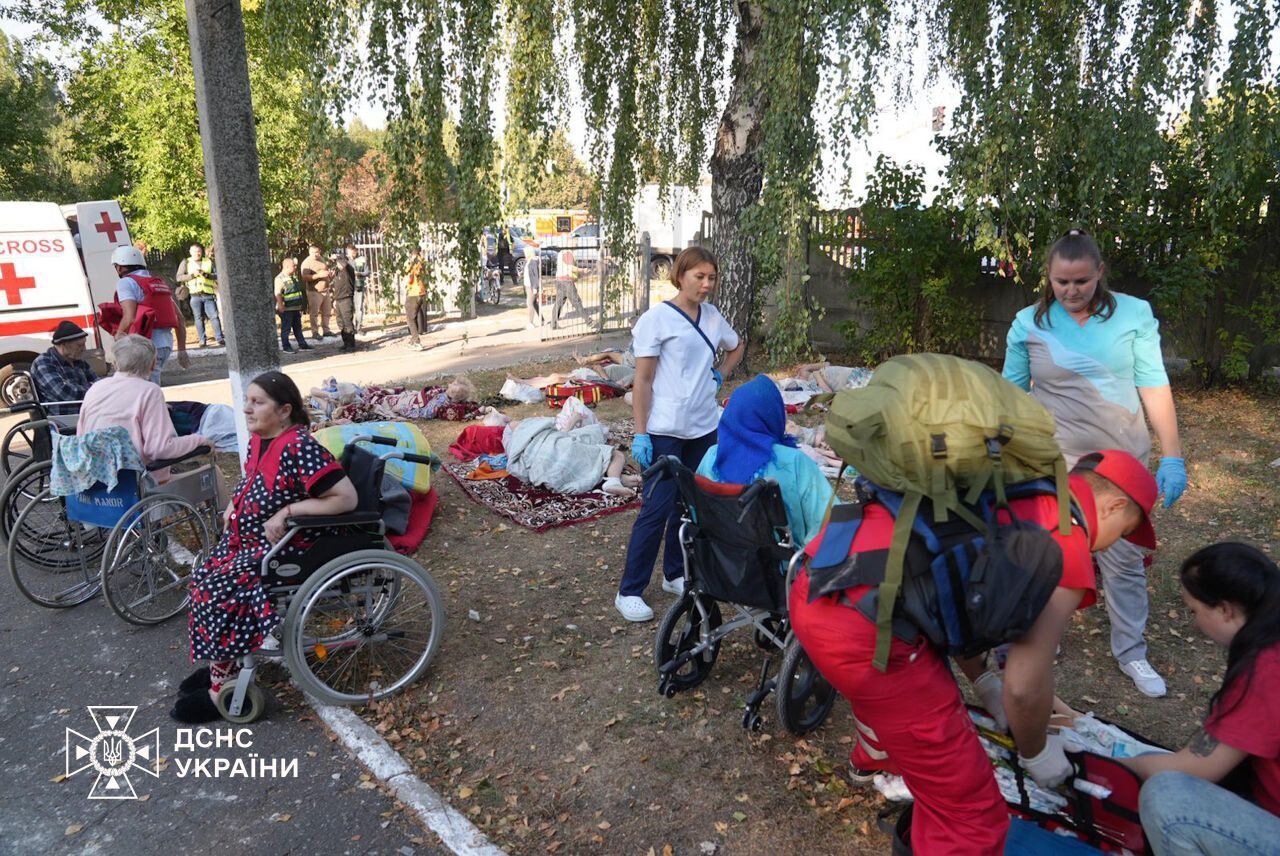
(612, 290)
(384, 290)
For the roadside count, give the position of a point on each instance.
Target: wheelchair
(361, 622)
(734, 539)
(136, 544)
(30, 440)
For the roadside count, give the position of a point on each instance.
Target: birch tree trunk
(736, 175)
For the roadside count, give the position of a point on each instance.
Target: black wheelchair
(360, 621)
(735, 540)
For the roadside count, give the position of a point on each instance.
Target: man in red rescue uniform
(137, 287)
(911, 718)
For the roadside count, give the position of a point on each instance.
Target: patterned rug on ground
(537, 508)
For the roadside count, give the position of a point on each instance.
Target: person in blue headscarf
(753, 444)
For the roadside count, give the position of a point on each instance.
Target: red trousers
(910, 720)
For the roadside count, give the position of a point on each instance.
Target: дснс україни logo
(113, 753)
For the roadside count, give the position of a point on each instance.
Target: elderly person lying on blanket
(618, 366)
(831, 378)
(569, 461)
(130, 400)
(618, 376)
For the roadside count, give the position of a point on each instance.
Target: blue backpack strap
(837, 538)
(893, 504)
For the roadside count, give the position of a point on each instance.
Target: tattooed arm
(1204, 757)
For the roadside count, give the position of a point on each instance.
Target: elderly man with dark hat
(61, 374)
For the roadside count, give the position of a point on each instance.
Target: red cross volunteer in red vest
(137, 287)
(911, 719)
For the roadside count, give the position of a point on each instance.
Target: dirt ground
(542, 720)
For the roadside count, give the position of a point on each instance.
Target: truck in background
(55, 265)
(673, 224)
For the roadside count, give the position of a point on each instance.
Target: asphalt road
(58, 662)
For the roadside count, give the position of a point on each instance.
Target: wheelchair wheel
(362, 627)
(803, 696)
(23, 443)
(681, 630)
(44, 540)
(53, 561)
(255, 703)
(22, 486)
(150, 556)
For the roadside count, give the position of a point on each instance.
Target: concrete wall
(998, 300)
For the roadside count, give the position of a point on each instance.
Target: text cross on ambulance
(109, 227)
(12, 284)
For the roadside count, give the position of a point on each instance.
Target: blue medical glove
(1171, 479)
(715, 373)
(642, 450)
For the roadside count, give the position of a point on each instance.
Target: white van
(55, 265)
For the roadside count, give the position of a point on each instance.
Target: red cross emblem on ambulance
(11, 284)
(109, 227)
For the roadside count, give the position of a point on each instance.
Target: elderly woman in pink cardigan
(130, 400)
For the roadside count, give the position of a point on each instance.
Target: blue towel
(754, 419)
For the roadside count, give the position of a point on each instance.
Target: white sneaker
(1145, 678)
(893, 788)
(633, 608)
(676, 586)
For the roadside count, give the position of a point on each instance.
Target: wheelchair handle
(25, 407)
(749, 495)
(659, 467)
(429, 460)
(372, 438)
(168, 462)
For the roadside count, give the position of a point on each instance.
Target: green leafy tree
(131, 105)
(561, 181)
(911, 286)
(29, 121)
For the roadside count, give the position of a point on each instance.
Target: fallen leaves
(558, 697)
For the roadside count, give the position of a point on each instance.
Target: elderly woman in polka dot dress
(288, 474)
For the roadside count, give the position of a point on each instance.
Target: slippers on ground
(197, 680)
(195, 708)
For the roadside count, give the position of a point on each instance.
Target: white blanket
(562, 461)
(218, 424)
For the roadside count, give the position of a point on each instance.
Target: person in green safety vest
(291, 299)
(197, 274)
(360, 265)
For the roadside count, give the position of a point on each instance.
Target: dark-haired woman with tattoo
(287, 474)
(1233, 592)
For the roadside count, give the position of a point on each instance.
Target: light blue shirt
(806, 493)
(128, 289)
(1088, 375)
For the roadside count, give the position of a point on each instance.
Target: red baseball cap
(1131, 476)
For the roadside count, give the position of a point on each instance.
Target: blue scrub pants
(658, 512)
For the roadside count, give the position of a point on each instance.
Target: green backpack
(943, 429)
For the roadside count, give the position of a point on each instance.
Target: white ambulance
(55, 265)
